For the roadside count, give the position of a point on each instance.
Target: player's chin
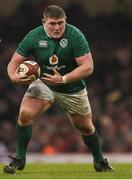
(57, 36)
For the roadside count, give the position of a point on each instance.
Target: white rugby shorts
(75, 103)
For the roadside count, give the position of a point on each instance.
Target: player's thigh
(31, 108)
(75, 103)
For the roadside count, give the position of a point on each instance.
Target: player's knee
(25, 117)
(86, 130)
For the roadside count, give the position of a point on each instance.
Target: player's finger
(47, 75)
(23, 76)
(26, 80)
(55, 71)
(46, 79)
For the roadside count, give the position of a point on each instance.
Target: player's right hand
(20, 79)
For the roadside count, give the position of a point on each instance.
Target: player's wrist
(64, 79)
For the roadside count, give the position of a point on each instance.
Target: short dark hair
(54, 11)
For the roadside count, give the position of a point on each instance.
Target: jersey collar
(46, 31)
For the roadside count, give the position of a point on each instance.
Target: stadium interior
(108, 29)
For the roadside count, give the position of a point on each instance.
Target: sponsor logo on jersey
(55, 67)
(63, 43)
(53, 60)
(43, 43)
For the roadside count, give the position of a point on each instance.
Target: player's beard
(57, 35)
(54, 34)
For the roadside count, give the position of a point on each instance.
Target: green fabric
(23, 135)
(92, 142)
(59, 54)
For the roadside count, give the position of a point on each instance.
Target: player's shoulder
(37, 30)
(75, 34)
(73, 29)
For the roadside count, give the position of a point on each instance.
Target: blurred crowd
(109, 87)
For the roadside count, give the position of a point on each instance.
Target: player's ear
(43, 21)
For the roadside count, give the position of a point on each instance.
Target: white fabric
(77, 103)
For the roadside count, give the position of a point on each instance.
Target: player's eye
(56, 23)
(52, 23)
(60, 23)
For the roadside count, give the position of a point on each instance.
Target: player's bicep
(17, 58)
(85, 59)
(80, 47)
(25, 46)
(15, 61)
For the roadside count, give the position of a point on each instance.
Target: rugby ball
(29, 68)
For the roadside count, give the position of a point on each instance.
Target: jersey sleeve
(25, 46)
(81, 46)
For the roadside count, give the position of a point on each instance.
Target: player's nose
(56, 27)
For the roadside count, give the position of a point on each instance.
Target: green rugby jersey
(60, 54)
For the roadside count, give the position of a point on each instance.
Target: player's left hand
(54, 79)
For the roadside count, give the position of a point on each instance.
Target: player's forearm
(79, 73)
(14, 64)
(11, 70)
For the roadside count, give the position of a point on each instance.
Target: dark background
(107, 25)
